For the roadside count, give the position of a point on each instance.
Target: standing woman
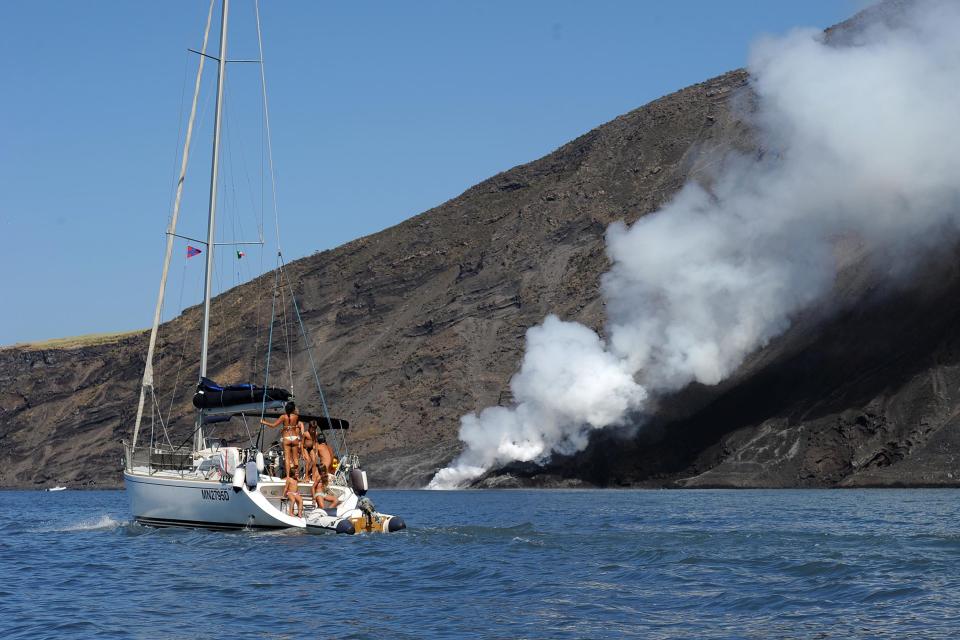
(291, 430)
(323, 454)
(292, 491)
(309, 451)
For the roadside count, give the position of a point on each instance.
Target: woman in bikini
(292, 491)
(309, 451)
(322, 494)
(291, 430)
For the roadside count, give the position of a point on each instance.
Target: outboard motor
(367, 507)
(252, 475)
(368, 510)
(238, 479)
(358, 479)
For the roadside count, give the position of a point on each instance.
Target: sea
(498, 564)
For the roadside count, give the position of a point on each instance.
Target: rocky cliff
(416, 325)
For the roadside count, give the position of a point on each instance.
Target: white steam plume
(865, 143)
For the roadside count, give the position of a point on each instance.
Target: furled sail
(211, 395)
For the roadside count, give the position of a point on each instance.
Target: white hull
(210, 504)
(160, 501)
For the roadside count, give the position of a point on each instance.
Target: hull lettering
(215, 494)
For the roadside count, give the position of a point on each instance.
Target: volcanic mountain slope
(416, 325)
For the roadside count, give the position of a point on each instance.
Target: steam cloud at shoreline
(862, 143)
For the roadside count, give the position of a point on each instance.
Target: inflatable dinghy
(356, 514)
(353, 521)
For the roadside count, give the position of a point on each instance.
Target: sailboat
(209, 484)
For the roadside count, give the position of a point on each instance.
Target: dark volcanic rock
(416, 325)
(869, 397)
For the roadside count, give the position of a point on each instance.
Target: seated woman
(292, 493)
(290, 436)
(322, 494)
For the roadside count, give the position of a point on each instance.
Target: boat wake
(103, 523)
(524, 532)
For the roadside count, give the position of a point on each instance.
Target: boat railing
(158, 457)
(342, 476)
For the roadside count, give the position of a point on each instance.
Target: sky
(379, 111)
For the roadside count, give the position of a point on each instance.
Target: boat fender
(252, 475)
(259, 462)
(358, 479)
(345, 526)
(396, 523)
(238, 479)
(231, 459)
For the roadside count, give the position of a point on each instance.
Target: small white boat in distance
(57, 488)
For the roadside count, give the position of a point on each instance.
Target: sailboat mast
(147, 382)
(211, 225)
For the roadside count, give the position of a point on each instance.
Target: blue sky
(380, 110)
